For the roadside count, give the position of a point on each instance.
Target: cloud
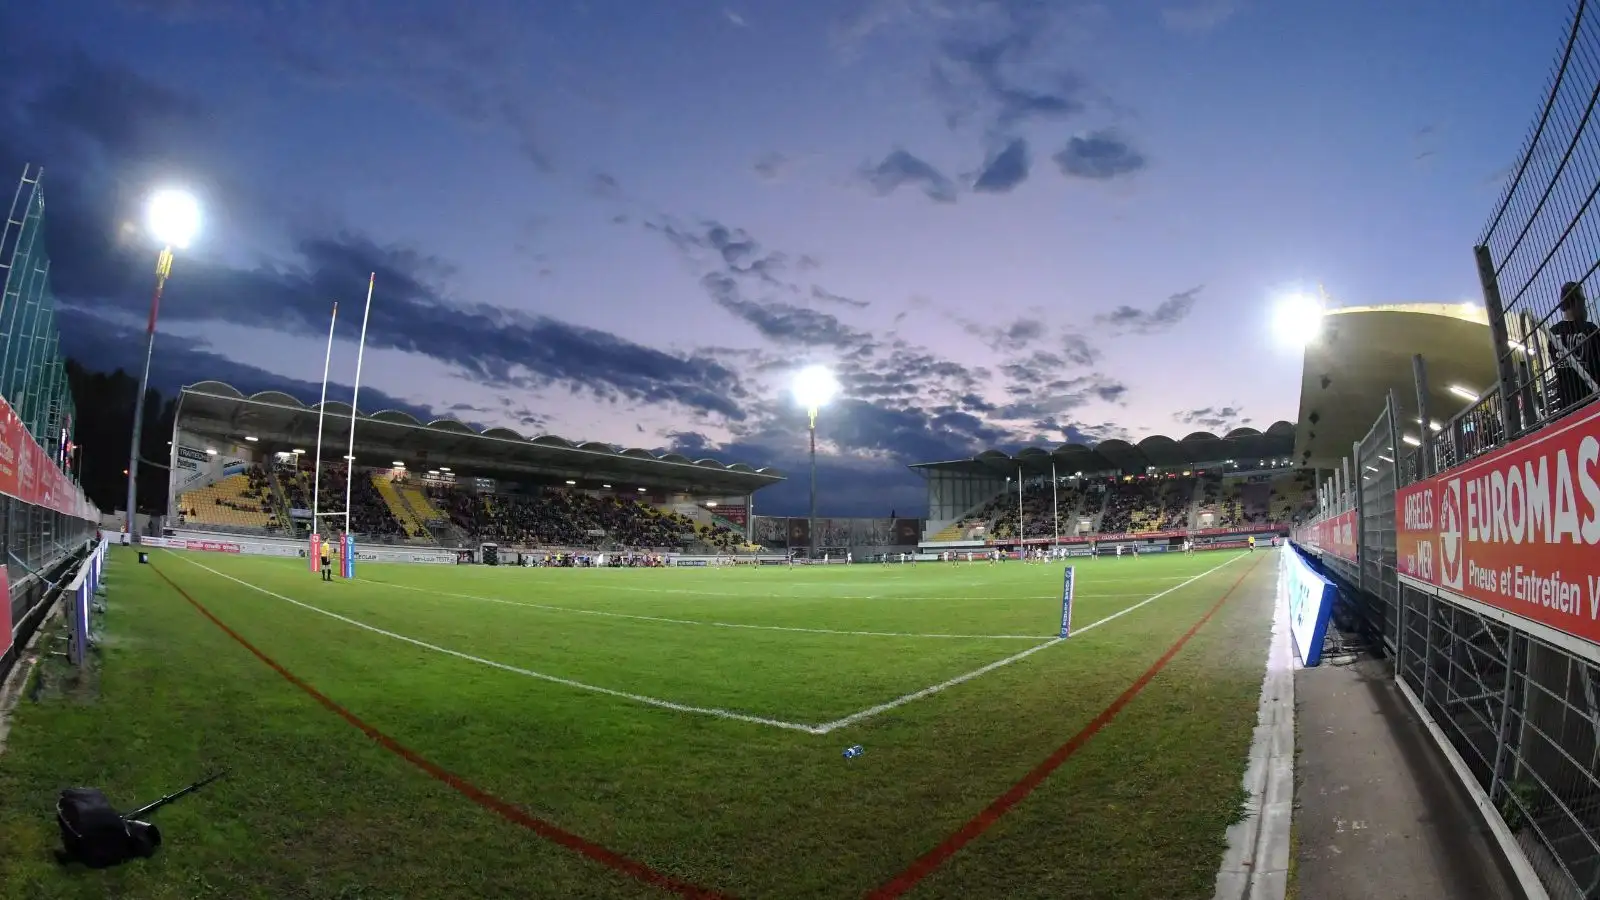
(1005, 338)
(1199, 16)
(987, 62)
(1100, 156)
(603, 184)
(1212, 418)
(468, 62)
(817, 293)
(1075, 349)
(1162, 316)
(900, 168)
(103, 345)
(1005, 169)
(772, 166)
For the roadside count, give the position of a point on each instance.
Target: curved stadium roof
(224, 407)
(1158, 450)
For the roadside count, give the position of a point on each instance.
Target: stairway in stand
(402, 512)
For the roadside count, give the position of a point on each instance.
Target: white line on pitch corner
(517, 670)
(671, 621)
(871, 711)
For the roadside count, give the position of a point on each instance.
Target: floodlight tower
(814, 386)
(172, 217)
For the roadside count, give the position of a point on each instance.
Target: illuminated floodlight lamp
(399, 465)
(444, 468)
(1412, 441)
(641, 490)
(297, 451)
(173, 217)
(570, 481)
(606, 486)
(251, 438)
(349, 458)
(814, 387)
(711, 503)
(211, 451)
(1297, 320)
(1463, 392)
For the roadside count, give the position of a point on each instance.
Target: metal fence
(1539, 254)
(36, 540)
(1519, 716)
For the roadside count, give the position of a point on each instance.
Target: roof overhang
(1200, 449)
(1365, 352)
(281, 423)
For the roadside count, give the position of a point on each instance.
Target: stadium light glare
(211, 451)
(606, 486)
(813, 387)
(1412, 441)
(711, 503)
(641, 490)
(1463, 392)
(249, 437)
(297, 451)
(173, 217)
(1297, 321)
(570, 481)
(399, 465)
(444, 468)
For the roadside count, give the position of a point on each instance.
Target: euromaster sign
(1518, 529)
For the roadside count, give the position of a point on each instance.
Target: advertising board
(1515, 530)
(1310, 598)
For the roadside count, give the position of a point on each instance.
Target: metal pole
(811, 531)
(1055, 509)
(355, 394)
(1022, 534)
(322, 406)
(1419, 374)
(1510, 413)
(163, 269)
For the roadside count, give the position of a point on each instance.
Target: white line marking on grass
(753, 594)
(871, 711)
(624, 695)
(670, 621)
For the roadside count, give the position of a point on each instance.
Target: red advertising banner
(5, 609)
(1241, 530)
(734, 514)
(1516, 529)
(29, 474)
(1333, 536)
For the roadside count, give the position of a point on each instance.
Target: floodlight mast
(814, 386)
(173, 218)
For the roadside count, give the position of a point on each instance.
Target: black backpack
(95, 834)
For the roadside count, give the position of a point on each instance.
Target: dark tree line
(103, 428)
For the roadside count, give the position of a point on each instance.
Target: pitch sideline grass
(749, 810)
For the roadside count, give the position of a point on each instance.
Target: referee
(327, 564)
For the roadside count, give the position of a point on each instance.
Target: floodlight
(1297, 321)
(814, 386)
(399, 465)
(297, 451)
(173, 217)
(641, 490)
(249, 437)
(570, 481)
(211, 451)
(1463, 393)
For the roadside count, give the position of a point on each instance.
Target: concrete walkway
(1378, 810)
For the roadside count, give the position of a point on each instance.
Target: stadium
(1244, 665)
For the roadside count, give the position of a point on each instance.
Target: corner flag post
(1067, 580)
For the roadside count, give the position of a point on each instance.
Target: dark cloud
(1100, 156)
(1075, 349)
(1011, 337)
(1164, 315)
(900, 168)
(772, 166)
(468, 62)
(818, 293)
(1004, 169)
(102, 346)
(1212, 418)
(985, 69)
(1038, 394)
(603, 184)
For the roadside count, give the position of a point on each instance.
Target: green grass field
(689, 720)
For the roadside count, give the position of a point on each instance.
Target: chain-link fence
(1539, 254)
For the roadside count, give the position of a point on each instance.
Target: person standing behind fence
(1577, 347)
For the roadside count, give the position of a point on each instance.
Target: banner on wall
(1334, 536)
(31, 475)
(1516, 529)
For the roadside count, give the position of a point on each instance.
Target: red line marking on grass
(481, 797)
(978, 824)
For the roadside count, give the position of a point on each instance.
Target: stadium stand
(573, 519)
(1000, 514)
(398, 508)
(238, 501)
